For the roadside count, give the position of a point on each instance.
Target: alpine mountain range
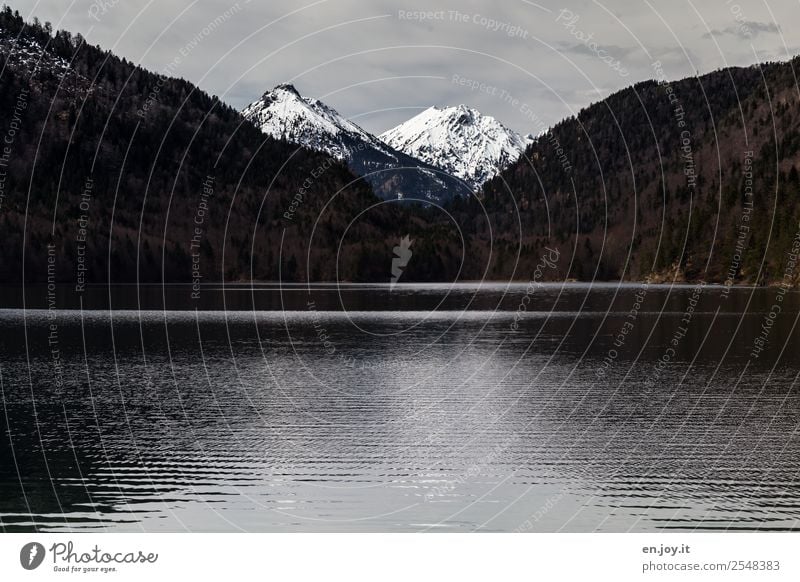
(438, 154)
(118, 174)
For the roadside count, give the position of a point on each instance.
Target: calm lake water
(423, 408)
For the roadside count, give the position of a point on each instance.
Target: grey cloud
(613, 50)
(328, 46)
(745, 30)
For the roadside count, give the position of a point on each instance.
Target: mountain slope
(284, 114)
(115, 174)
(691, 180)
(459, 140)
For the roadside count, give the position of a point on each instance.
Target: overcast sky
(379, 63)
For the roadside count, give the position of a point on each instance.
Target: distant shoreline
(410, 284)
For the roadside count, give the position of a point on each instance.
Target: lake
(485, 407)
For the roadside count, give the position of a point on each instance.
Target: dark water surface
(357, 408)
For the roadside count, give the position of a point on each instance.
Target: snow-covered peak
(284, 114)
(459, 140)
(286, 87)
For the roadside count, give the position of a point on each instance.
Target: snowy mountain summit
(284, 114)
(459, 140)
(440, 153)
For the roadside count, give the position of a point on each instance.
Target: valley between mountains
(113, 174)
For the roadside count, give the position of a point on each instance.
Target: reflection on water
(499, 408)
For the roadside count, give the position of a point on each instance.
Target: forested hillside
(135, 176)
(695, 180)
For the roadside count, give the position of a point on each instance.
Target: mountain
(687, 180)
(284, 114)
(459, 140)
(112, 173)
